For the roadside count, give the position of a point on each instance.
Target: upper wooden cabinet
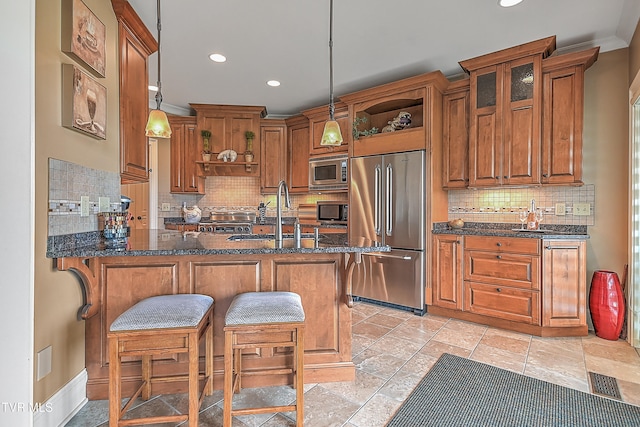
(317, 118)
(186, 146)
(298, 154)
(455, 135)
(506, 114)
(273, 153)
(135, 44)
(228, 124)
(563, 87)
(420, 96)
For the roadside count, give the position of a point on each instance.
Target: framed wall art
(84, 102)
(83, 36)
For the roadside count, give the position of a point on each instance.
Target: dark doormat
(462, 392)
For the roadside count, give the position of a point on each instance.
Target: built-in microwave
(328, 173)
(328, 211)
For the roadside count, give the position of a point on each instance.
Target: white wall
(17, 177)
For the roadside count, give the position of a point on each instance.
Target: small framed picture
(83, 36)
(84, 102)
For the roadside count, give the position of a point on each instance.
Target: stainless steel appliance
(330, 211)
(328, 173)
(228, 222)
(387, 204)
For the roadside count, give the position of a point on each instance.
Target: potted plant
(248, 154)
(206, 152)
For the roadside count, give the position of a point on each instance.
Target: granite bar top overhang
(168, 242)
(548, 231)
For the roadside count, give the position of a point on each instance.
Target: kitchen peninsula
(155, 262)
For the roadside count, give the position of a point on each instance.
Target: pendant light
(158, 125)
(331, 135)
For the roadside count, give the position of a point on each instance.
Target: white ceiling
(375, 42)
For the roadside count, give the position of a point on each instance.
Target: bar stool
(263, 320)
(161, 325)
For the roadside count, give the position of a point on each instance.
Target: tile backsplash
(503, 205)
(234, 192)
(68, 182)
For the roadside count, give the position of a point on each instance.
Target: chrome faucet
(287, 204)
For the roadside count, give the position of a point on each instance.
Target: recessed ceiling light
(508, 3)
(153, 88)
(216, 57)
(273, 83)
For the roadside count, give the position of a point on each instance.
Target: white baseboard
(63, 405)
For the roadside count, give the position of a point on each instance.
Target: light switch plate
(166, 207)
(84, 205)
(561, 209)
(581, 209)
(103, 204)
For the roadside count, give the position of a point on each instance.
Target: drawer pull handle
(499, 256)
(498, 290)
(498, 244)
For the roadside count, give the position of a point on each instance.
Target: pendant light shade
(158, 124)
(331, 135)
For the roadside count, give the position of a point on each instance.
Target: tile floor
(392, 350)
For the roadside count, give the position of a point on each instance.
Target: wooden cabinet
(506, 114)
(228, 124)
(135, 44)
(139, 207)
(563, 83)
(455, 135)
(564, 289)
(317, 118)
(523, 284)
(447, 271)
(186, 150)
(298, 154)
(181, 227)
(273, 155)
(420, 96)
(502, 278)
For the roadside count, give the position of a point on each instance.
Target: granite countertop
(548, 231)
(168, 242)
(271, 220)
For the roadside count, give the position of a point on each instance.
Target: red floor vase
(606, 302)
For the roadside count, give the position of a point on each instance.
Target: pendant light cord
(331, 106)
(159, 82)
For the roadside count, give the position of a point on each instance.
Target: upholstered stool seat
(161, 325)
(263, 320)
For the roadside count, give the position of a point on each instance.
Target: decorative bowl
(456, 223)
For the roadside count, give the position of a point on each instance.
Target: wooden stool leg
(237, 369)
(299, 376)
(146, 377)
(228, 378)
(193, 379)
(115, 392)
(208, 357)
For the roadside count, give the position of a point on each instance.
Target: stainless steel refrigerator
(387, 206)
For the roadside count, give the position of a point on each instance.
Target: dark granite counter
(548, 231)
(168, 242)
(271, 220)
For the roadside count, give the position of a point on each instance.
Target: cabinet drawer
(506, 269)
(502, 302)
(503, 244)
(263, 229)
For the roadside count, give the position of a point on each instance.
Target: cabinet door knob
(497, 177)
(499, 256)
(498, 244)
(139, 217)
(498, 290)
(505, 177)
(545, 175)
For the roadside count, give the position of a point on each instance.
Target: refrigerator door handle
(376, 200)
(389, 205)
(385, 255)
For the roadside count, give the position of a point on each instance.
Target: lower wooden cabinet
(528, 285)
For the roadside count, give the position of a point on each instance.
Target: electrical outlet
(103, 204)
(166, 207)
(561, 209)
(84, 206)
(165, 236)
(43, 363)
(581, 209)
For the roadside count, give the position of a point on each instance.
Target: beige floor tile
(630, 392)
(460, 334)
(325, 409)
(429, 323)
(375, 412)
(359, 390)
(397, 347)
(360, 343)
(370, 330)
(557, 377)
(408, 332)
(500, 358)
(619, 350)
(379, 364)
(419, 364)
(357, 317)
(613, 368)
(366, 309)
(400, 385)
(383, 319)
(435, 349)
